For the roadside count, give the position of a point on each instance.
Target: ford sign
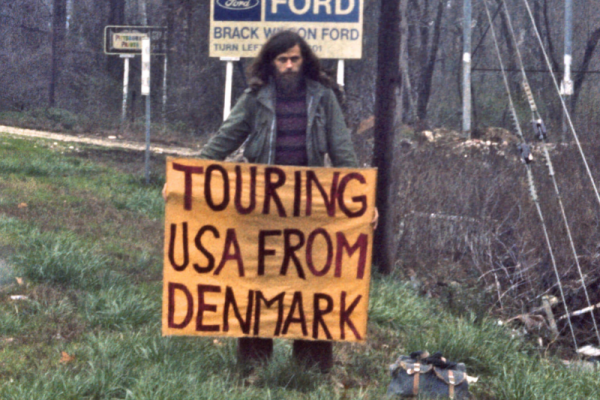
(238, 4)
(237, 10)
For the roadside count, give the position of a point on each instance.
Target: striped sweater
(291, 117)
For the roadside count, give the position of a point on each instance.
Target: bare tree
(116, 16)
(428, 57)
(590, 47)
(59, 28)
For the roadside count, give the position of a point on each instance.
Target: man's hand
(375, 220)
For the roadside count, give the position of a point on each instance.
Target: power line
(533, 71)
(527, 160)
(486, 31)
(539, 125)
(562, 101)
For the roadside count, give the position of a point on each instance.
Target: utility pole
(388, 80)
(466, 81)
(566, 86)
(143, 12)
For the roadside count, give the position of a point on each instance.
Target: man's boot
(314, 352)
(254, 349)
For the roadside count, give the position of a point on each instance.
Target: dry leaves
(66, 358)
(22, 205)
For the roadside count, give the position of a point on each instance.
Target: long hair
(262, 67)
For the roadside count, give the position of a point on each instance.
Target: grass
(84, 237)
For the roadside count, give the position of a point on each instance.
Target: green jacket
(252, 120)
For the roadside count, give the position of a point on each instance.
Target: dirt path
(111, 141)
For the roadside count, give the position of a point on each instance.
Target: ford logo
(238, 4)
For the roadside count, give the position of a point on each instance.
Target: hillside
(81, 240)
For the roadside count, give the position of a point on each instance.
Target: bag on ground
(428, 377)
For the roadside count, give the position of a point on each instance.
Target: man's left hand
(375, 220)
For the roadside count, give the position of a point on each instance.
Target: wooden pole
(388, 80)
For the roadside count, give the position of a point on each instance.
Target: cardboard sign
(333, 28)
(267, 251)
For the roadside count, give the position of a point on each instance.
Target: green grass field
(81, 237)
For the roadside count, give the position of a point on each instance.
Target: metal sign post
(146, 92)
(127, 42)
(125, 58)
(164, 95)
(340, 73)
(228, 84)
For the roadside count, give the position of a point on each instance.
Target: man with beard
(288, 116)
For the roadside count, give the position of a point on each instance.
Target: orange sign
(267, 251)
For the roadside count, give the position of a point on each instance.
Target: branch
(592, 42)
(579, 312)
(555, 64)
(24, 27)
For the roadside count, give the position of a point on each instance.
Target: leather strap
(416, 379)
(451, 386)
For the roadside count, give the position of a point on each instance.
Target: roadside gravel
(110, 141)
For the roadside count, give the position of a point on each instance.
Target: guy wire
(562, 101)
(530, 175)
(536, 116)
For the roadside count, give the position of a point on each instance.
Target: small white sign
(128, 41)
(145, 66)
(119, 40)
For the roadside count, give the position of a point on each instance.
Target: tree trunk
(59, 25)
(406, 102)
(510, 46)
(388, 80)
(143, 12)
(590, 47)
(424, 32)
(116, 16)
(555, 64)
(429, 67)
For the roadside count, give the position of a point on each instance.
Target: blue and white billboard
(312, 11)
(237, 10)
(333, 28)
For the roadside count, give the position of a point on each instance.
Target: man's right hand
(375, 220)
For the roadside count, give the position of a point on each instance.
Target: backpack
(430, 377)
